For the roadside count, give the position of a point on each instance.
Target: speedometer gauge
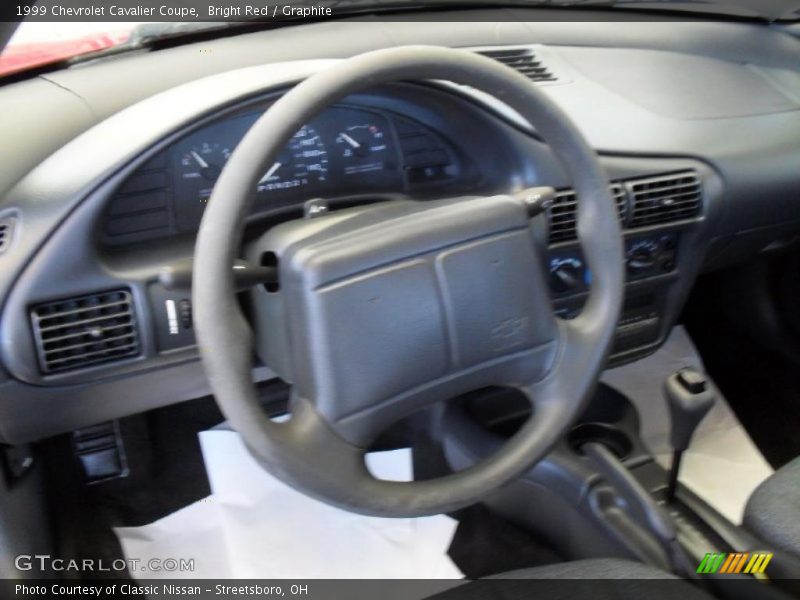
(303, 161)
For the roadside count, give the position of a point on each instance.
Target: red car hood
(19, 57)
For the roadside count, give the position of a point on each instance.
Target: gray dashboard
(682, 102)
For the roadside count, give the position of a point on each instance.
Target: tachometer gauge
(201, 166)
(303, 161)
(363, 148)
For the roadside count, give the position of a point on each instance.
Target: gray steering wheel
(386, 309)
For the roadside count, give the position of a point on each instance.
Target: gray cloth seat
(595, 568)
(773, 510)
(594, 579)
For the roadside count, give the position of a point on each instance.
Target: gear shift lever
(690, 395)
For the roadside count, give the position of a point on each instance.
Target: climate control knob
(642, 258)
(566, 276)
(641, 261)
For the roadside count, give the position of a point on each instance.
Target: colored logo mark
(735, 562)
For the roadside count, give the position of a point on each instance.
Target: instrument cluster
(345, 151)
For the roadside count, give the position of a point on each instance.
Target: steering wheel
(386, 309)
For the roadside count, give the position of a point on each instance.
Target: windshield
(37, 42)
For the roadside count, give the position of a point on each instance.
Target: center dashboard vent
(562, 214)
(78, 332)
(665, 198)
(523, 60)
(640, 203)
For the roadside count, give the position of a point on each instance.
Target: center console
(578, 507)
(667, 220)
(651, 268)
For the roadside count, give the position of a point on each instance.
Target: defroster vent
(78, 332)
(523, 60)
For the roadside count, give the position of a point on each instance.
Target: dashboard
(115, 164)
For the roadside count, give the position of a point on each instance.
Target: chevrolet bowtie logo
(754, 563)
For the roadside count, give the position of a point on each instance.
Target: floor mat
(254, 526)
(722, 465)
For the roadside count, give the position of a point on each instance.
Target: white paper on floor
(722, 465)
(254, 526)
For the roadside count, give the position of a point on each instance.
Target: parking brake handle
(656, 520)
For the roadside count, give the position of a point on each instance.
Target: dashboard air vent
(665, 198)
(6, 233)
(79, 332)
(523, 60)
(562, 214)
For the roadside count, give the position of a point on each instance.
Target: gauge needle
(203, 164)
(270, 173)
(350, 140)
